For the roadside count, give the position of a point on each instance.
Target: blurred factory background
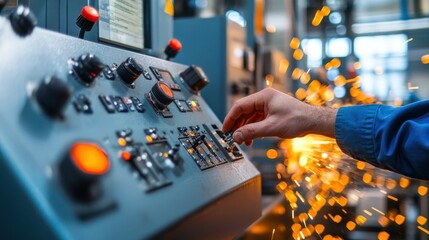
(324, 52)
(333, 53)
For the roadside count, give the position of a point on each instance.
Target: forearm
(322, 120)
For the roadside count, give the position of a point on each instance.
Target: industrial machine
(223, 53)
(98, 142)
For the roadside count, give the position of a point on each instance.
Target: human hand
(273, 113)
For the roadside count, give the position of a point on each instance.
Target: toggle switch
(129, 70)
(88, 67)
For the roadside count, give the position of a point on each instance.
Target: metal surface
(215, 203)
(223, 54)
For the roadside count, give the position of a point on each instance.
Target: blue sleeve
(392, 138)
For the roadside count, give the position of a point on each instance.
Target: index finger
(243, 107)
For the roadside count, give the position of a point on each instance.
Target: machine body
(112, 158)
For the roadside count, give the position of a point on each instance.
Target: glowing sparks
(296, 74)
(360, 220)
(423, 229)
(283, 66)
(411, 87)
(272, 154)
(360, 165)
(298, 54)
(404, 182)
(294, 43)
(300, 197)
(325, 11)
(272, 234)
(425, 59)
(350, 226)
(422, 220)
(422, 190)
(409, 40)
(383, 236)
(380, 212)
(367, 213)
(314, 174)
(318, 17)
(399, 219)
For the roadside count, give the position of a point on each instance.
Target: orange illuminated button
(89, 158)
(166, 89)
(162, 95)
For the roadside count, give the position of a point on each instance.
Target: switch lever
(173, 47)
(86, 20)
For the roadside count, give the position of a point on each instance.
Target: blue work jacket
(394, 138)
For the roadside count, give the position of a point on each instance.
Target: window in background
(313, 49)
(338, 47)
(384, 64)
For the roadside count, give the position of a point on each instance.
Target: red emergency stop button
(81, 170)
(90, 158)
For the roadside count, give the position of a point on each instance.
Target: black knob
(195, 78)
(52, 95)
(86, 20)
(81, 170)
(2, 4)
(161, 95)
(23, 21)
(129, 70)
(88, 67)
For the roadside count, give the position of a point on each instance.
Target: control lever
(2, 4)
(198, 140)
(86, 20)
(173, 47)
(173, 155)
(229, 141)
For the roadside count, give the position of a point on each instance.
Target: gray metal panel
(161, 26)
(31, 146)
(206, 49)
(39, 8)
(53, 15)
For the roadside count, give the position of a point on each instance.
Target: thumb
(251, 131)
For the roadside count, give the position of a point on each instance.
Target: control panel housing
(160, 165)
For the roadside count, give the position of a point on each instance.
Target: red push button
(175, 44)
(90, 14)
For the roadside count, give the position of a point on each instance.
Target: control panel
(102, 143)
